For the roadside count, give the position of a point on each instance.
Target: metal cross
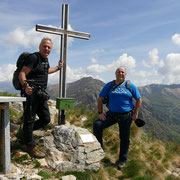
(64, 33)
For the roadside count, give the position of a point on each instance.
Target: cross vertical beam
(63, 56)
(64, 33)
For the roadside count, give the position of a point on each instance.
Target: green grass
(133, 169)
(171, 177)
(173, 148)
(115, 148)
(8, 94)
(134, 153)
(156, 153)
(44, 175)
(144, 178)
(93, 116)
(15, 117)
(146, 160)
(21, 159)
(37, 164)
(111, 171)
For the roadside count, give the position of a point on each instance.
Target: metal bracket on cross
(64, 33)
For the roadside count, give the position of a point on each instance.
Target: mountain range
(160, 108)
(85, 91)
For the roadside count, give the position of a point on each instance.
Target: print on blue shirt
(120, 99)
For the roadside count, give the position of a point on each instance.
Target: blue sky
(141, 35)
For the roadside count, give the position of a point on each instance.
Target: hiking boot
(35, 152)
(120, 165)
(19, 135)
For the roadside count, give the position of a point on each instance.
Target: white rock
(69, 177)
(84, 118)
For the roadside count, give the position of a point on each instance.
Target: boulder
(68, 151)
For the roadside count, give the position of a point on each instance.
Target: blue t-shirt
(120, 99)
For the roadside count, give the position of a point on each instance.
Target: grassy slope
(148, 158)
(162, 116)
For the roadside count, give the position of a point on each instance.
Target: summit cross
(64, 33)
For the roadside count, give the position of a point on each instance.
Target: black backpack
(19, 64)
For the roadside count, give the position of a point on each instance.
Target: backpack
(113, 87)
(106, 99)
(19, 64)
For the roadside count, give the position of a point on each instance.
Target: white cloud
(169, 73)
(126, 61)
(153, 59)
(171, 69)
(171, 64)
(21, 38)
(6, 72)
(75, 74)
(93, 60)
(72, 75)
(146, 74)
(144, 77)
(96, 68)
(97, 51)
(143, 82)
(176, 39)
(31, 39)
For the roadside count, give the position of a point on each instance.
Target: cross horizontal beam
(59, 31)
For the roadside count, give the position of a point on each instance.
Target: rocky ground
(63, 146)
(68, 153)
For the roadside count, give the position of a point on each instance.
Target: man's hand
(60, 65)
(102, 116)
(135, 116)
(28, 89)
(56, 68)
(137, 108)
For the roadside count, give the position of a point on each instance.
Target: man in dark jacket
(34, 79)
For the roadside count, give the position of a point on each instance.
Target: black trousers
(124, 122)
(34, 105)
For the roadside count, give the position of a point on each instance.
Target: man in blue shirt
(121, 111)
